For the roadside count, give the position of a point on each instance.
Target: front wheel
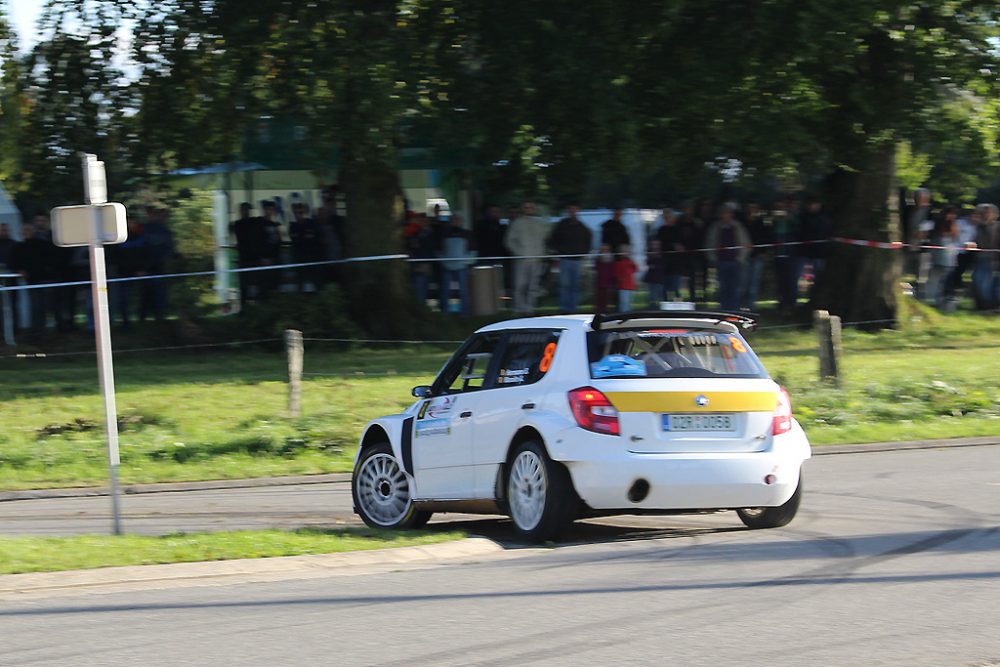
(540, 494)
(772, 517)
(381, 491)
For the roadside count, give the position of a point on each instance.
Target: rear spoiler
(747, 321)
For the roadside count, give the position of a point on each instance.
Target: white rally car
(549, 419)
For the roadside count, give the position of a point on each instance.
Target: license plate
(699, 422)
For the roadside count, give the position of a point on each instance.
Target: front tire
(381, 491)
(540, 495)
(773, 517)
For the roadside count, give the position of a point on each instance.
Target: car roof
(583, 322)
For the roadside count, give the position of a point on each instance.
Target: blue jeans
(672, 286)
(751, 285)
(655, 295)
(730, 271)
(461, 276)
(985, 283)
(569, 285)
(420, 280)
(624, 300)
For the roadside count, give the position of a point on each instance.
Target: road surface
(893, 560)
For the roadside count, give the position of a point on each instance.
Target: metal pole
(102, 334)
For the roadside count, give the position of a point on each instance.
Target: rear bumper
(693, 480)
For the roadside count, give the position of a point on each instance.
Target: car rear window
(670, 353)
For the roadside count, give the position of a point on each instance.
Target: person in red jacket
(604, 271)
(625, 270)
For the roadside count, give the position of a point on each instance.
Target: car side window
(469, 370)
(526, 357)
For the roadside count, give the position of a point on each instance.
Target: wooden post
(295, 351)
(828, 331)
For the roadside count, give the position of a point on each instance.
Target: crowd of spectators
(704, 251)
(944, 245)
(269, 240)
(37, 261)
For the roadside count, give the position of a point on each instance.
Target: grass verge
(51, 554)
(220, 415)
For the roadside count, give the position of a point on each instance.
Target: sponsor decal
(438, 407)
(430, 427)
(617, 365)
(513, 376)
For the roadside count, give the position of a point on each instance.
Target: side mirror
(423, 391)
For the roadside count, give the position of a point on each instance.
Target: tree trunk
(861, 284)
(376, 291)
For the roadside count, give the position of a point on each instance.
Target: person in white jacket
(526, 240)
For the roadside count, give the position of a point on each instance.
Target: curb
(339, 477)
(176, 487)
(247, 570)
(866, 448)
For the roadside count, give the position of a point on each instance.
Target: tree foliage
(562, 99)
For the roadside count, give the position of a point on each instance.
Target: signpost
(95, 225)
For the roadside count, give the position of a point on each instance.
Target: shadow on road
(590, 531)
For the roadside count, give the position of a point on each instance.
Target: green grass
(212, 414)
(50, 554)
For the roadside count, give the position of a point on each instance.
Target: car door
(522, 361)
(443, 429)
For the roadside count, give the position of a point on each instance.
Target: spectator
(655, 277)
(761, 233)
(984, 274)
(672, 258)
(128, 260)
(815, 229)
(161, 250)
(271, 250)
(918, 225)
(614, 233)
(490, 232)
(65, 269)
(250, 238)
(421, 245)
(32, 258)
(727, 242)
(570, 237)
(526, 239)
(6, 246)
(605, 282)
(43, 228)
(304, 233)
(457, 253)
(625, 270)
(944, 260)
(332, 232)
(967, 238)
(786, 261)
(691, 235)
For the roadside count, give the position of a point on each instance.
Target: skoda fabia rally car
(550, 419)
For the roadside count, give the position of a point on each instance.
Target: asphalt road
(893, 560)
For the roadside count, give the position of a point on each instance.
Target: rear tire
(772, 517)
(541, 499)
(381, 491)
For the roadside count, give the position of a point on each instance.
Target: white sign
(95, 182)
(74, 225)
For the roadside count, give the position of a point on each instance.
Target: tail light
(593, 411)
(782, 422)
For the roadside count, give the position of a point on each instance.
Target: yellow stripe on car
(686, 401)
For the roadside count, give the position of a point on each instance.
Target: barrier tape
(892, 245)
